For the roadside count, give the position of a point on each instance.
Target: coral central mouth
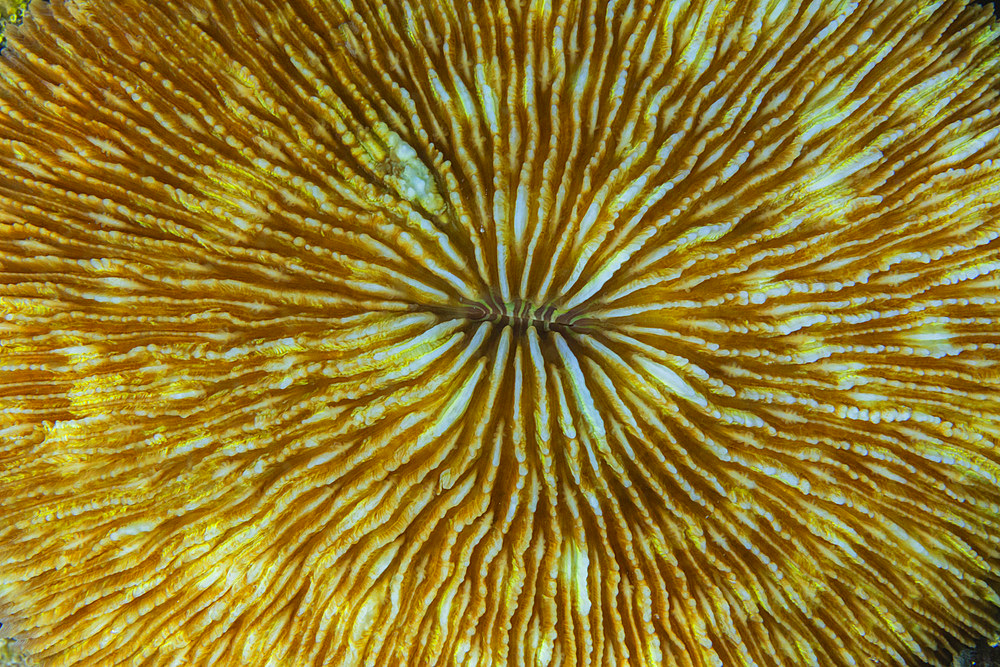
(521, 315)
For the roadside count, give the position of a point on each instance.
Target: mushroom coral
(411, 332)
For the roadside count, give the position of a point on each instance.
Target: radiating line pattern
(385, 332)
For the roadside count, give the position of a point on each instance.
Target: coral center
(521, 315)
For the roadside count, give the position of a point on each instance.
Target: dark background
(979, 656)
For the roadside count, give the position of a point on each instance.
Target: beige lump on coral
(385, 332)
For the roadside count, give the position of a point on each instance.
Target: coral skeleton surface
(411, 332)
